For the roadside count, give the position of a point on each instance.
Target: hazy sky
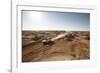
(69, 21)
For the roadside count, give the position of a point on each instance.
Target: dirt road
(61, 50)
(39, 52)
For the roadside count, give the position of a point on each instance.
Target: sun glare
(36, 15)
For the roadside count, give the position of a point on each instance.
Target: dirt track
(63, 49)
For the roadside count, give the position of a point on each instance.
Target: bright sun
(37, 15)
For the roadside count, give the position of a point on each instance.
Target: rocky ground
(66, 48)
